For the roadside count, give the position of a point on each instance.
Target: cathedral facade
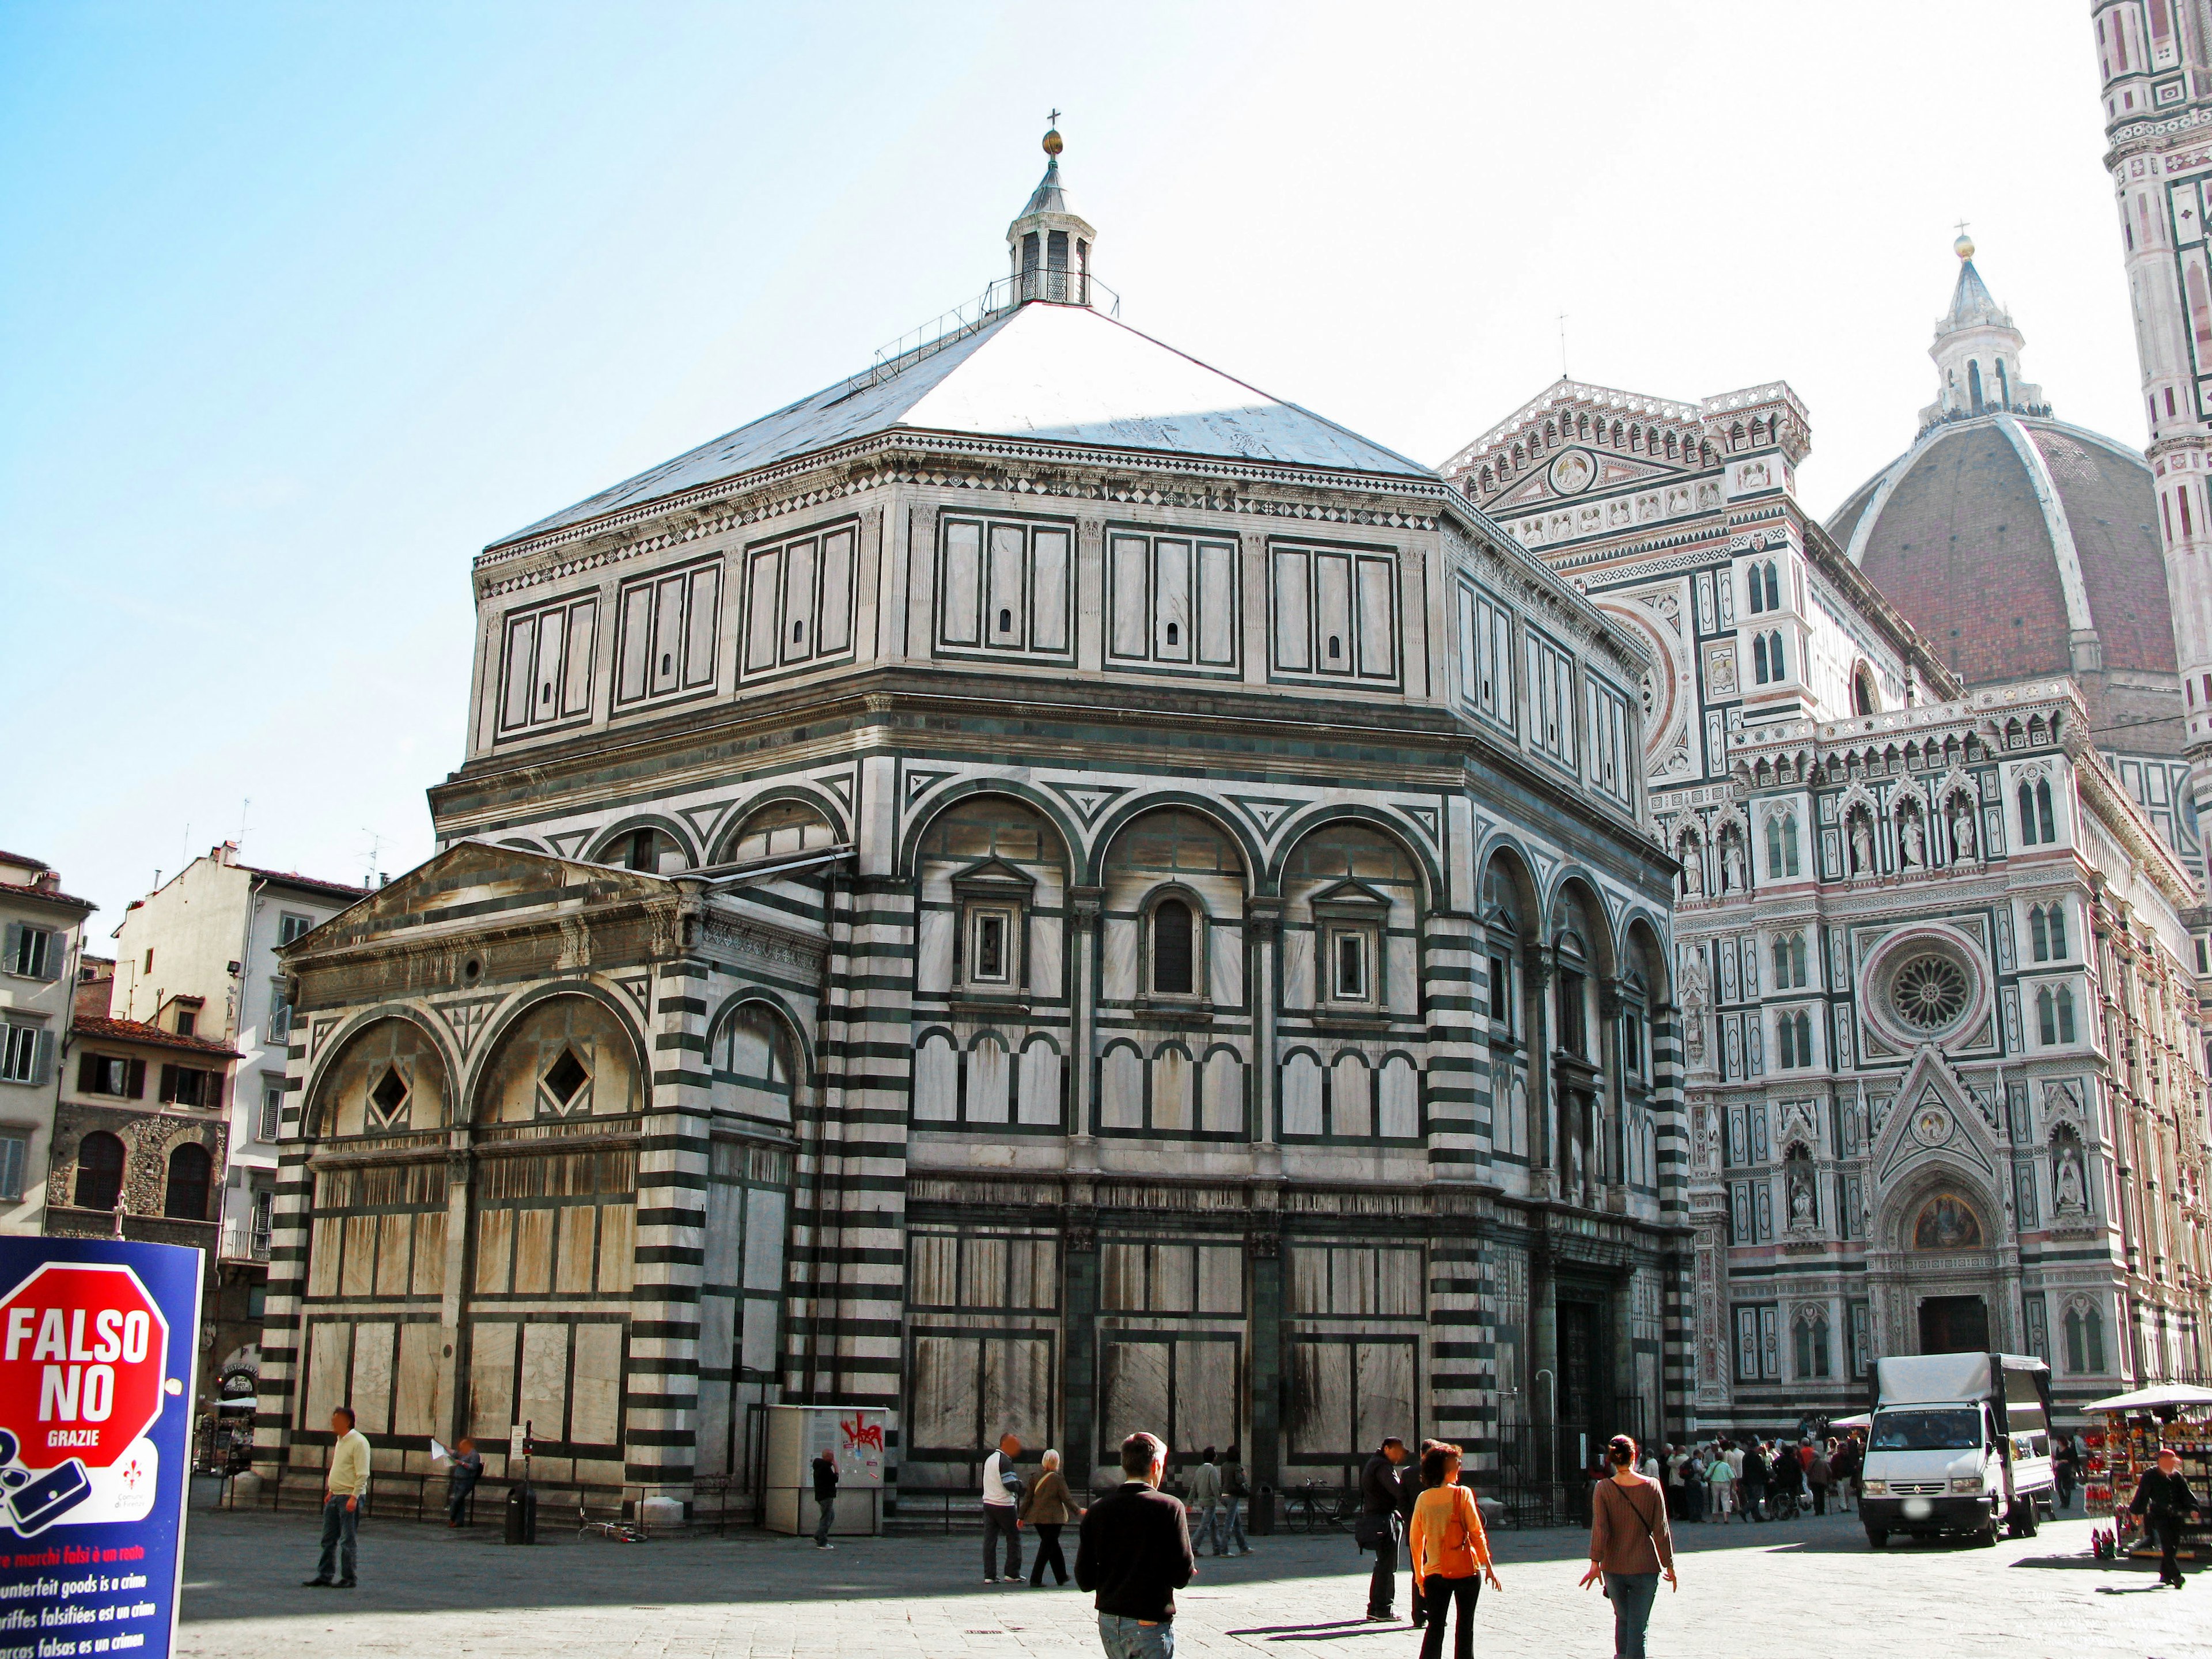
(1039, 887)
(1943, 1052)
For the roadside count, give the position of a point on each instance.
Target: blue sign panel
(97, 1341)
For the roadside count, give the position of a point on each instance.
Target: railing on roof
(1060, 288)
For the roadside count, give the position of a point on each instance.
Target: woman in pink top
(1630, 1546)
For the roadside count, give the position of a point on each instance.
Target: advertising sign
(97, 1338)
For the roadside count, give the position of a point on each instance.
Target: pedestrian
(1202, 1499)
(1048, 1505)
(1694, 1465)
(1379, 1527)
(467, 1465)
(2063, 1468)
(825, 1497)
(1751, 1485)
(1818, 1475)
(1233, 1494)
(1677, 1462)
(1649, 1469)
(2162, 1500)
(1631, 1547)
(345, 1483)
(1134, 1554)
(1002, 1492)
(1446, 1546)
(1787, 1482)
(1412, 1481)
(1720, 1480)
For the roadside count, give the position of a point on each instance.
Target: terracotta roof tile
(52, 896)
(313, 884)
(138, 1031)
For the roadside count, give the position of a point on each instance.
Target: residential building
(1041, 888)
(41, 932)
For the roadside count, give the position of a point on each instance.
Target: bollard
(522, 1514)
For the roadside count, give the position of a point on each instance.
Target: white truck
(1959, 1444)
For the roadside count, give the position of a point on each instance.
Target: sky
(301, 306)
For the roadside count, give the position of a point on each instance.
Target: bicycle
(621, 1532)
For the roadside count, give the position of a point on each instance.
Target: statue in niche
(1801, 1218)
(1732, 875)
(1962, 829)
(1861, 845)
(1911, 842)
(1693, 869)
(2068, 1189)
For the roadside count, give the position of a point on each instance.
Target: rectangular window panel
(665, 672)
(763, 614)
(701, 607)
(1171, 600)
(583, 637)
(960, 594)
(1332, 640)
(1128, 572)
(514, 710)
(1294, 612)
(1378, 611)
(632, 678)
(546, 695)
(1048, 589)
(833, 626)
(1217, 604)
(797, 633)
(1003, 621)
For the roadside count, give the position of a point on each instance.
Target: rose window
(1929, 992)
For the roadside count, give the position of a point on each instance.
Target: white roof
(1055, 373)
(2148, 1400)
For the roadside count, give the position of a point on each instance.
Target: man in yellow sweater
(345, 1485)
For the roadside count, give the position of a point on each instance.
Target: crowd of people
(1724, 1479)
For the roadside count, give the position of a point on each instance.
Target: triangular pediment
(1354, 894)
(477, 881)
(1933, 1118)
(992, 875)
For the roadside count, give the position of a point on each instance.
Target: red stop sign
(83, 1354)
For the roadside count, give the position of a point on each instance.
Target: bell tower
(1050, 244)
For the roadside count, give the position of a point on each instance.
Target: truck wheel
(1876, 1537)
(1986, 1538)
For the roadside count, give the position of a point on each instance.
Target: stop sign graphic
(83, 1353)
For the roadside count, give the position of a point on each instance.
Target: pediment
(1933, 1118)
(479, 881)
(1350, 895)
(993, 875)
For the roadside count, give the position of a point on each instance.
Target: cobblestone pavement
(1795, 1591)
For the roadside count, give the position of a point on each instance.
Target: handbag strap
(1636, 1509)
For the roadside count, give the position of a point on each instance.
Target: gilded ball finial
(1053, 142)
(1964, 247)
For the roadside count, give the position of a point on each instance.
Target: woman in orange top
(1447, 1546)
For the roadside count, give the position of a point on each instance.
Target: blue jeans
(1232, 1524)
(1632, 1594)
(1128, 1638)
(340, 1526)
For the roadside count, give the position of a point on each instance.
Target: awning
(1863, 1420)
(2149, 1399)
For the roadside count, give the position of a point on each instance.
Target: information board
(97, 1341)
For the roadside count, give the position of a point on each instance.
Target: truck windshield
(1951, 1430)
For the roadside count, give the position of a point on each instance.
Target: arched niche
(1174, 855)
(757, 1063)
(1351, 922)
(991, 872)
(388, 1079)
(565, 1056)
(781, 829)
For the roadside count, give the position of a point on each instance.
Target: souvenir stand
(2135, 1426)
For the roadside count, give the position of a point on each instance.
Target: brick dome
(2022, 546)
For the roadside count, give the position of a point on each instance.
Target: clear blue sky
(300, 305)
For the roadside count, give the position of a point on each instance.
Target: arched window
(1974, 386)
(1794, 1034)
(2039, 937)
(1758, 659)
(1173, 958)
(2026, 816)
(2093, 1340)
(1863, 697)
(2076, 1361)
(1788, 961)
(2046, 1024)
(2004, 387)
(1812, 1345)
(1773, 588)
(99, 1172)
(2055, 918)
(1758, 591)
(648, 849)
(2065, 1000)
(1670, 445)
(1781, 845)
(185, 1197)
(1774, 659)
(2044, 822)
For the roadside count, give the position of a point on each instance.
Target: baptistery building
(1041, 888)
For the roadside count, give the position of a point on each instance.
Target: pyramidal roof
(1043, 373)
(1972, 305)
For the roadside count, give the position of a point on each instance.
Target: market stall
(2134, 1427)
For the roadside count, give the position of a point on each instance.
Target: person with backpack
(1380, 1527)
(1448, 1549)
(1631, 1546)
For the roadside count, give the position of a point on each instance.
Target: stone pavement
(1795, 1591)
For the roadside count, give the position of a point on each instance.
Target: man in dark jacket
(1752, 1483)
(1382, 1503)
(825, 1497)
(2163, 1500)
(1134, 1554)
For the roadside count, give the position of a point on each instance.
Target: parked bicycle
(621, 1531)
